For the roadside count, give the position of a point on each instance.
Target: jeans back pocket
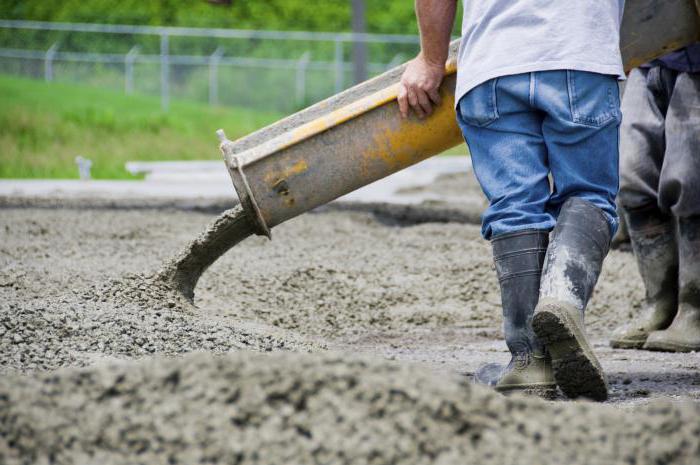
(594, 98)
(478, 107)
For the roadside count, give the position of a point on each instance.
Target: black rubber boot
(684, 333)
(519, 257)
(654, 243)
(579, 243)
(621, 240)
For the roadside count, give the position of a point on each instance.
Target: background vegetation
(383, 16)
(45, 126)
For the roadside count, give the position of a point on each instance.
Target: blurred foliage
(45, 126)
(110, 128)
(383, 16)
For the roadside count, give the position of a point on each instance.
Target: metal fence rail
(305, 77)
(210, 32)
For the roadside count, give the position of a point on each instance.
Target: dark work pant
(660, 141)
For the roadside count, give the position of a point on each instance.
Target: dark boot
(654, 243)
(518, 258)
(684, 333)
(579, 243)
(622, 237)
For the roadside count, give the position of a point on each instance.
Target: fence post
(359, 47)
(214, 60)
(301, 77)
(48, 62)
(396, 61)
(129, 69)
(339, 65)
(164, 71)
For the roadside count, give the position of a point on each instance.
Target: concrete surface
(209, 180)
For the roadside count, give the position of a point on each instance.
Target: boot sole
(627, 343)
(545, 391)
(576, 369)
(659, 346)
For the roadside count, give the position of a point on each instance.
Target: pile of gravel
(147, 291)
(287, 408)
(123, 318)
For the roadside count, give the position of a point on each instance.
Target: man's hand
(419, 86)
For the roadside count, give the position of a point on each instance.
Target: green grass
(460, 149)
(43, 127)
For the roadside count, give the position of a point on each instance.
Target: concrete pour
(310, 409)
(184, 270)
(81, 321)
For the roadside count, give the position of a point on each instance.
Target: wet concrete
(79, 300)
(317, 408)
(226, 231)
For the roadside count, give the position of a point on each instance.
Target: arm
(421, 79)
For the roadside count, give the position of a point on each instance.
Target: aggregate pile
(312, 409)
(103, 358)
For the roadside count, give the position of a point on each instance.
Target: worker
(536, 97)
(660, 197)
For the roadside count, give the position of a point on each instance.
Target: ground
(394, 301)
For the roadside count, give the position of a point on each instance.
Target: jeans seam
(572, 94)
(492, 107)
(494, 101)
(598, 122)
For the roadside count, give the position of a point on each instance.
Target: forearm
(435, 20)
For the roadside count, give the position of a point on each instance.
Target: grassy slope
(44, 126)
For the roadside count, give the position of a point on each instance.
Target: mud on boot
(526, 373)
(579, 243)
(653, 238)
(684, 333)
(576, 368)
(519, 257)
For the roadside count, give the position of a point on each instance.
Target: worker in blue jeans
(537, 99)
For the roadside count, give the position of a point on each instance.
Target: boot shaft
(578, 246)
(653, 237)
(689, 262)
(519, 258)
(684, 333)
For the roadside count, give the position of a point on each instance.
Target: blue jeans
(522, 129)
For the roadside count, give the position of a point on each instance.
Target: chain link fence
(266, 70)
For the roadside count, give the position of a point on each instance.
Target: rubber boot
(579, 243)
(684, 333)
(621, 239)
(654, 244)
(519, 257)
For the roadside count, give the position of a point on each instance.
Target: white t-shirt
(504, 37)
